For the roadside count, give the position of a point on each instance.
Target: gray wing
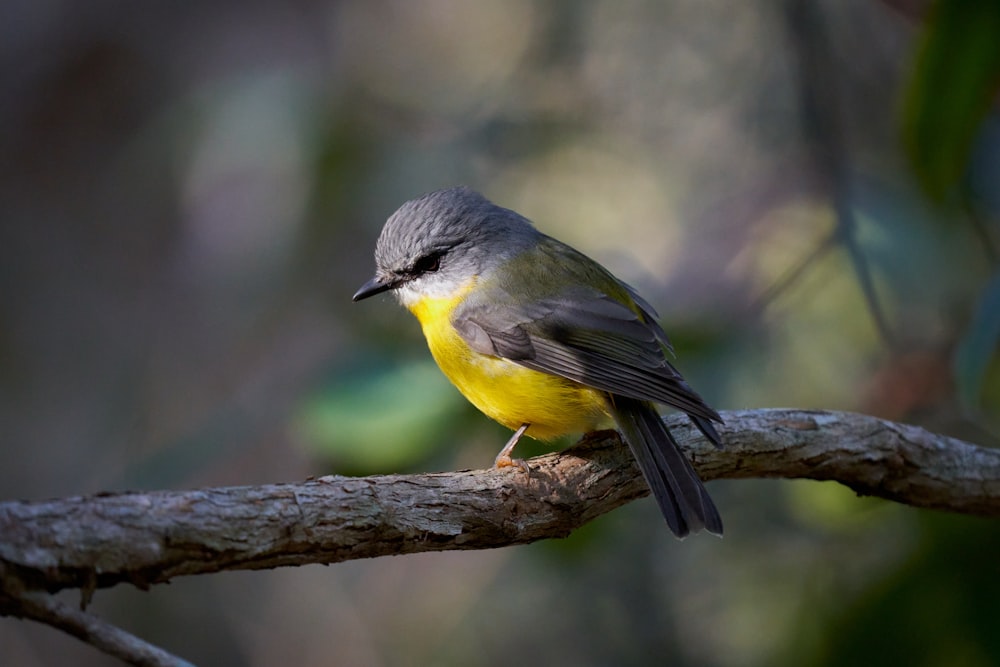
(586, 336)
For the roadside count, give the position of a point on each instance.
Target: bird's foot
(504, 459)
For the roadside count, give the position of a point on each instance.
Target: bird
(543, 339)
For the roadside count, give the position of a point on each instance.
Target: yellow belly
(504, 391)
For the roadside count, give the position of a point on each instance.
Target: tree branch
(148, 538)
(104, 636)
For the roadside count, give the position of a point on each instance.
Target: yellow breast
(506, 392)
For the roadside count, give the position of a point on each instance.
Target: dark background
(190, 194)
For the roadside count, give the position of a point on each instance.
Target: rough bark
(146, 538)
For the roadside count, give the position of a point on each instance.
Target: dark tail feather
(707, 429)
(682, 497)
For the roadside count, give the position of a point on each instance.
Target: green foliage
(954, 82)
(383, 420)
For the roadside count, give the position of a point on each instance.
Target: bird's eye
(428, 263)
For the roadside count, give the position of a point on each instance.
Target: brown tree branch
(44, 608)
(149, 538)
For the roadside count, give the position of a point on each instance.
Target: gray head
(434, 244)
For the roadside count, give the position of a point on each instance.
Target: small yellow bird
(542, 338)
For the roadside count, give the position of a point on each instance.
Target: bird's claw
(505, 461)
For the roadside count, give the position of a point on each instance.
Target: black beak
(371, 288)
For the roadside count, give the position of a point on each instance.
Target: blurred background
(807, 190)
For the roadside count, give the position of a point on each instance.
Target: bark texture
(145, 538)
